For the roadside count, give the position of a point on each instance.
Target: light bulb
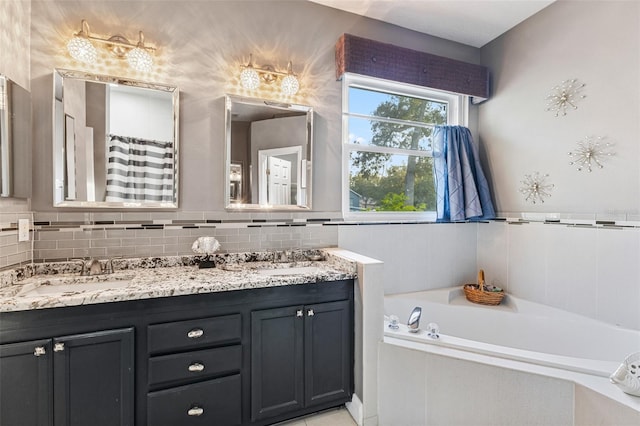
(290, 85)
(82, 50)
(140, 60)
(249, 78)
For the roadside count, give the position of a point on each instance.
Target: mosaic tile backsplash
(62, 236)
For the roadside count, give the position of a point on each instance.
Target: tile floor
(333, 417)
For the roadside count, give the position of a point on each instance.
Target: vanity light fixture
(251, 77)
(138, 55)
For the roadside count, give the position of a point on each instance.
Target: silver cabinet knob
(195, 333)
(310, 313)
(299, 313)
(58, 347)
(196, 367)
(39, 351)
(195, 411)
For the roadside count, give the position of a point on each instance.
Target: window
(387, 155)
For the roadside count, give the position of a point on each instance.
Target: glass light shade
(82, 50)
(249, 78)
(140, 60)
(290, 85)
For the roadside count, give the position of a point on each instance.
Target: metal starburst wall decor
(535, 187)
(565, 96)
(590, 153)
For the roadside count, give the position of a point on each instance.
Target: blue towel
(462, 190)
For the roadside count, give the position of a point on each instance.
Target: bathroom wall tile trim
(64, 235)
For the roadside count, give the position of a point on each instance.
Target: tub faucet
(414, 320)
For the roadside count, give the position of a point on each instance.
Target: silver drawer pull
(299, 313)
(39, 351)
(195, 333)
(195, 411)
(310, 313)
(58, 347)
(196, 367)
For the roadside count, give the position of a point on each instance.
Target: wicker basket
(475, 292)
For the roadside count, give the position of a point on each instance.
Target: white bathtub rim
(454, 297)
(598, 384)
(580, 365)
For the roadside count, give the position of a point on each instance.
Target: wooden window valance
(375, 59)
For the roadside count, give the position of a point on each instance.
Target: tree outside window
(390, 158)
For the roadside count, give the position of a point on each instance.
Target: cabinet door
(93, 379)
(276, 361)
(328, 359)
(26, 383)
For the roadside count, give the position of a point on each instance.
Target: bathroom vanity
(248, 347)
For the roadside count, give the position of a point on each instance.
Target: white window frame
(458, 114)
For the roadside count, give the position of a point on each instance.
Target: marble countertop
(53, 285)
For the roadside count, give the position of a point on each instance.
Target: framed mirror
(15, 140)
(115, 142)
(268, 154)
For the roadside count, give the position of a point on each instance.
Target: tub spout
(414, 320)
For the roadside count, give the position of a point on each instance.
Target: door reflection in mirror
(274, 141)
(278, 174)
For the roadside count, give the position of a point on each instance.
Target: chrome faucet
(281, 256)
(94, 267)
(108, 268)
(414, 320)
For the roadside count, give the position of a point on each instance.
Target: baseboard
(355, 409)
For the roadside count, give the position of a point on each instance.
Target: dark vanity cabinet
(195, 365)
(72, 380)
(301, 357)
(249, 357)
(26, 383)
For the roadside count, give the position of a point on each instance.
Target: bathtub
(516, 334)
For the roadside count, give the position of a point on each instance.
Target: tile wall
(416, 256)
(588, 267)
(13, 252)
(592, 269)
(427, 389)
(64, 235)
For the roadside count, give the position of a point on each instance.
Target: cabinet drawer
(194, 364)
(214, 402)
(179, 335)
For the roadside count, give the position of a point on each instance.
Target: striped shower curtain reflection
(139, 170)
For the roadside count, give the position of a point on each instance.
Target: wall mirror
(268, 154)
(115, 142)
(15, 140)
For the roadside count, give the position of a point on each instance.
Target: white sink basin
(62, 285)
(300, 270)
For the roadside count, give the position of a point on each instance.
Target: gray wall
(200, 48)
(15, 19)
(597, 42)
